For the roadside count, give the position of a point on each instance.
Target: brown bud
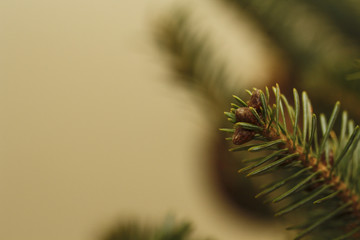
(255, 101)
(244, 114)
(242, 136)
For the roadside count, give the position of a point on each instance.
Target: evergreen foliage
(169, 230)
(313, 168)
(192, 59)
(320, 169)
(308, 31)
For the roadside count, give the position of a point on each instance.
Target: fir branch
(169, 230)
(281, 22)
(192, 58)
(321, 164)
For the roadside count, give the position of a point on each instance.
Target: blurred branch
(302, 31)
(319, 39)
(191, 58)
(344, 15)
(195, 66)
(169, 230)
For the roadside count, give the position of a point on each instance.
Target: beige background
(91, 129)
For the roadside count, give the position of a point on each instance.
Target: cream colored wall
(91, 130)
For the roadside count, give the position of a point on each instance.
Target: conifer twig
(321, 164)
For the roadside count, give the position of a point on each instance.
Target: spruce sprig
(322, 168)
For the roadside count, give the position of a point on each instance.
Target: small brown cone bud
(244, 114)
(255, 101)
(242, 136)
